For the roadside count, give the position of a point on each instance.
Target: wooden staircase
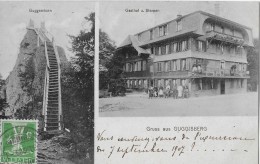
(52, 110)
(52, 113)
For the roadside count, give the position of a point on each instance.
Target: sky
(65, 18)
(118, 23)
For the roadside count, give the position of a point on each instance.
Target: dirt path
(138, 104)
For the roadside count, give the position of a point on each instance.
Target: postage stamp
(18, 141)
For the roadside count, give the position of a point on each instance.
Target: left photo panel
(47, 82)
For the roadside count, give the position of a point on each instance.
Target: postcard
(46, 93)
(178, 82)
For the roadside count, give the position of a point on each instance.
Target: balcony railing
(224, 37)
(217, 72)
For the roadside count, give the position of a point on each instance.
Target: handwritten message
(173, 144)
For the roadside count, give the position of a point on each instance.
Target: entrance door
(151, 82)
(222, 86)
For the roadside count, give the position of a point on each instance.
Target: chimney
(217, 9)
(179, 15)
(31, 24)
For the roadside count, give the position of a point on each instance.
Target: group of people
(175, 92)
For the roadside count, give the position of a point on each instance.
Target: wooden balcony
(224, 37)
(216, 72)
(138, 74)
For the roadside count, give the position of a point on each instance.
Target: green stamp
(19, 141)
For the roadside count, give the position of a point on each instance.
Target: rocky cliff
(25, 84)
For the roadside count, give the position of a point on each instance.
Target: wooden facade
(205, 52)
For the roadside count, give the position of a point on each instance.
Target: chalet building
(205, 52)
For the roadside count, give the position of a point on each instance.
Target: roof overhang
(132, 41)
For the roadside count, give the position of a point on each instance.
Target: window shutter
(188, 64)
(178, 64)
(197, 45)
(155, 67)
(170, 48)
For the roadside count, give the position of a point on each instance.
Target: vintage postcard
(178, 82)
(46, 82)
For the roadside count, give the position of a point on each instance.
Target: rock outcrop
(25, 84)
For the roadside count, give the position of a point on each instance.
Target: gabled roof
(132, 40)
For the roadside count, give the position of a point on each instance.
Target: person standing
(175, 91)
(180, 91)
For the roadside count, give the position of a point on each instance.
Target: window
(174, 47)
(140, 83)
(126, 55)
(159, 67)
(179, 25)
(151, 68)
(174, 66)
(156, 50)
(165, 29)
(222, 29)
(240, 67)
(144, 65)
(174, 82)
(178, 63)
(152, 50)
(139, 65)
(163, 48)
(222, 65)
(151, 34)
(161, 31)
(166, 66)
(127, 67)
(212, 27)
(160, 51)
(136, 66)
(199, 45)
(167, 49)
(183, 64)
(179, 46)
(184, 45)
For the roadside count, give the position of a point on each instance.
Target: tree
(3, 103)
(111, 74)
(252, 58)
(78, 92)
(106, 50)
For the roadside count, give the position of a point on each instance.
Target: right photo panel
(178, 81)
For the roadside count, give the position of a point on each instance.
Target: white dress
(180, 89)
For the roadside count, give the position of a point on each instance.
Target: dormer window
(179, 25)
(163, 30)
(212, 27)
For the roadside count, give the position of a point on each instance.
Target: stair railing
(46, 86)
(59, 84)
